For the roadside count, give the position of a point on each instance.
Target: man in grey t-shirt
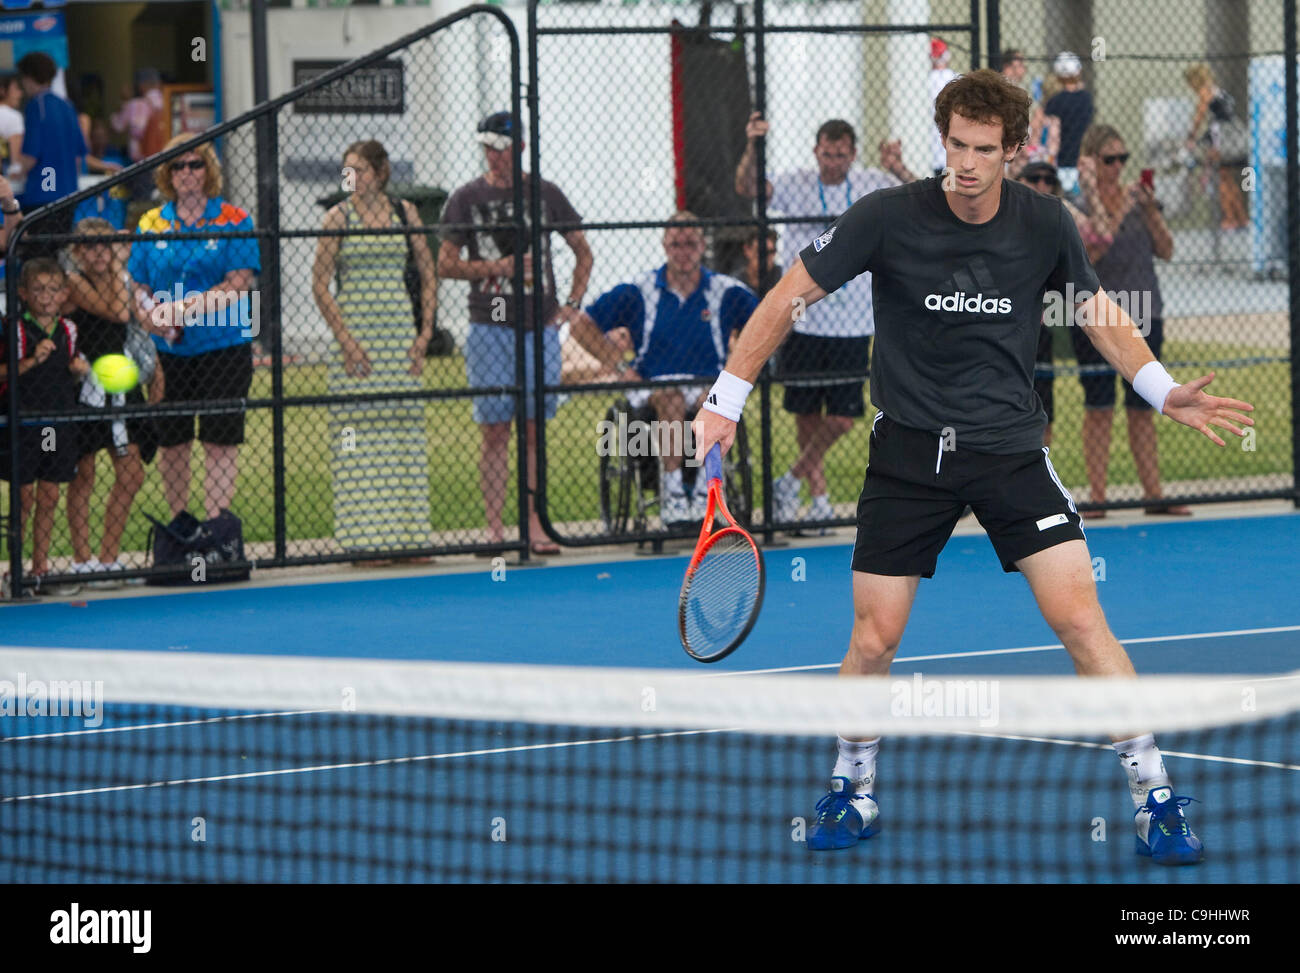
(489, 266)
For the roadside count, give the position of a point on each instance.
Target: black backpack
(219, 542)
(441, 344)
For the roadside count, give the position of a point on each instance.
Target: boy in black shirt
(50, 369)
(960, 267)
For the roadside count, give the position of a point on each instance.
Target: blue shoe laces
(833, 805)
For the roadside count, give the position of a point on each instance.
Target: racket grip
(713, 462)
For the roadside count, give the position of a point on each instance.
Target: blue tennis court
(392, 799)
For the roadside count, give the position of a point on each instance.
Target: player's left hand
(1190, 405)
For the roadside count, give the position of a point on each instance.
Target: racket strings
(722, 595)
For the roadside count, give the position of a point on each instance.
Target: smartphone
(1149, 178)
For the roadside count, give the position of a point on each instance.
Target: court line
(421, 758)
(163, 726)
(1028, 648)
(386, 761)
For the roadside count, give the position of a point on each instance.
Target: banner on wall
(21, 34)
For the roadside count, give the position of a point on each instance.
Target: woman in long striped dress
(380, 454)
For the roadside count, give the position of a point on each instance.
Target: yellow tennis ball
(116, 373)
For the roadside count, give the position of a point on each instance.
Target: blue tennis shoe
(1163, 834)
(843, 817)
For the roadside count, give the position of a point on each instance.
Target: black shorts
(1099, 387)
(36, 461)
(907, 510)
(805, 354)
(102, 435)
(225, 373)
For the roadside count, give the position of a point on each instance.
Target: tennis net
(156, 767)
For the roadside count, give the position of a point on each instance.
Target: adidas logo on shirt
(972, 304)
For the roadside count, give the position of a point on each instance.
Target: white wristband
(727, 397)
(1154, 384)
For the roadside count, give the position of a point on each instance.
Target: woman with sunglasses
(193, 296)
(1131, 234)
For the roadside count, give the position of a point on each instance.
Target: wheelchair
(629, 485)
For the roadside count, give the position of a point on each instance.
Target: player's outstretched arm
(1120, 341)
(767, 327)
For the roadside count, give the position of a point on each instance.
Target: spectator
(1014, 68)
(760, 283)
(195, 296)
(680, 317)
(1130, 234)
(490, 348)
(835, 334)
(11, 124)
(110, 205)
(940, 75)
(1072, 107)
(100, 307)
(381, 471)
(1225, 139)
(12, 214)
(1044, 131)
(132, 119)
(49, 367)
(1042, 177)
(52, 148)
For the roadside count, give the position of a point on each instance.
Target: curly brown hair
(162, 176)
(985, 96)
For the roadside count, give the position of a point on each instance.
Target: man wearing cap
(489, 266)
(1072, 105)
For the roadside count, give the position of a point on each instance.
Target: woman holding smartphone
(1130, 235)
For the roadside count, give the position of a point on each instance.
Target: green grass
(455, 502)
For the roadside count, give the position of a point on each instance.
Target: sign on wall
(375, 90)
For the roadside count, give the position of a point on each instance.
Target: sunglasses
(1043, 179)
(194, 165)
(1110, 160)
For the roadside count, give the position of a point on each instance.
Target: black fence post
(1289, 59)
(993, 26)
(534, 245)
(268, 218)
(974, 34)
(14, 531)
(760, 195)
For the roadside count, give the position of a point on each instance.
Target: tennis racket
(723, 589)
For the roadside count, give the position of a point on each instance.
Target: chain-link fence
(841, 107)
(304, 340)
(847, 102)
(1186, 95)
(353, 377)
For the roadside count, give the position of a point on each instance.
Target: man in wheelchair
(679, 320)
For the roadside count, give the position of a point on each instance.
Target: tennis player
(960, 266)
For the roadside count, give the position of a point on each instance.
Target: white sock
(857, 762)
(673, 483)
(824, 497)
(1143, 765)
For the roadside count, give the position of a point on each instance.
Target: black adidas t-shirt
(957, 305)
